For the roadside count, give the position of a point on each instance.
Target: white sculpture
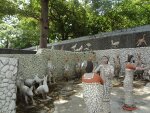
(79, 49)
(51, 69)
(66, 70)
(74, 47)
(29, 82)
(115, 44)
(141, 41)
(88, 45)
(26, 92)
(38, 80)
(43, 89)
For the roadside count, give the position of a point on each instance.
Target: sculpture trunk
(44, 23)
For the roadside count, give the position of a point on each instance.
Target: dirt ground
(68, 98)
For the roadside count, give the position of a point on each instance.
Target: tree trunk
(6, 45)
(44, 23)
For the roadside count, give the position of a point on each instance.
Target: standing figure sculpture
(78, 68)
(92, 90)
(66, 70)
(117, 67)
(51, 70)
(107, 73)
(128, 84)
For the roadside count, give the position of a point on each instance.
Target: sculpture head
(105, 59)
(30, 91)
(131, 59)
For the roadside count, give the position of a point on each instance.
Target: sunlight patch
(60, 101)
(80, 95)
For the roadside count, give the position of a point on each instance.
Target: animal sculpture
(25, 91)
(79, 49)
(74, 47)
(29, 82)
(38, 80)
(43, 89)
(115, 44)
(141, 41)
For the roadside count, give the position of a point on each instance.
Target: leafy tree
(46, 21)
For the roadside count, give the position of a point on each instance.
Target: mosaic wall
(31, 64)
(123, 53)
(127, 38)
(8, 73)
(58, 57)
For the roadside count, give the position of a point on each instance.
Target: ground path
(76, 104)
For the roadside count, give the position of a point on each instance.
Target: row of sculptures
(30, 87)
(27, 88)
(114, 44)
(97, 87)
(142, 70)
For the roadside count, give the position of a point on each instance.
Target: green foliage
(67, 19)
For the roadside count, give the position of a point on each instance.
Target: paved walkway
(76, 104)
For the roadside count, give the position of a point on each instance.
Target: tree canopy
(67, 19)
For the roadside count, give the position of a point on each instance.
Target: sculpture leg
(33, 102)
(26, 99)
(106, 98)
(43, 95)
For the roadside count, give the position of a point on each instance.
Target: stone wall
(57, 57)
(8, 73)
(31, 64)
(16, 51)
(123, 53)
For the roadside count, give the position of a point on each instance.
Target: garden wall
(8, 73)
(123, 53)
(31, 64)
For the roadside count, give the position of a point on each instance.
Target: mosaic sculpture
(117, 66)
(66, 70)
(74, 47)
(79, 49)
(139, 67)
(107, 73)
(115, 44)
(128, 84)
(87, 48)
(141, 41)
(26, 91)
(78, 68)
(38, 80)
(43, 89)
(51, 69)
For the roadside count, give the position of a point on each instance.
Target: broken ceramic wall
(145, 55)
(32, 64)
(58, 57)
(8, 73)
